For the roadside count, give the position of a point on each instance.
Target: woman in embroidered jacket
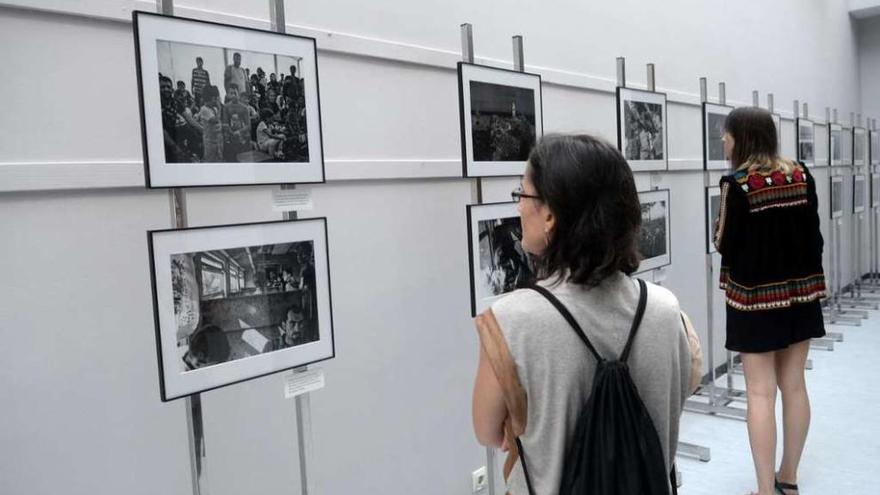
(771, 271)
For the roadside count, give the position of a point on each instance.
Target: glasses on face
(517, 194)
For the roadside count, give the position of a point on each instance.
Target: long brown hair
(755, 141)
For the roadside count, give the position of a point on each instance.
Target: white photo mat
(164, 244)
(846, 146)
(875, 190)
(151, 28)
(492, 75)
(874, 140)
(626, 94)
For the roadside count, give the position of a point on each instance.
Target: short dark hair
(754, 135)
(199, 59)
(296, 308)
(589, 187)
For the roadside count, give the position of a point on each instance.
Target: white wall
(82, 413)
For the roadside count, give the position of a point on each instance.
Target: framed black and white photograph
(655, 241)
(501, 119)
(846, 146)
(860, 146)
(498, 262)
(806, 140)
(713, 134)
(836, 183)
(859, 190)
(875, 190)
(641, 129)
(226, 105)
(835, 145)
(875, 147)
(236, 302)
(713, 210)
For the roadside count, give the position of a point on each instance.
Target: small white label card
(660, 275)
(299, 382)
(298, 199)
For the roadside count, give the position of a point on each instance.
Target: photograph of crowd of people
(502, 122)
(227, 105)
(654, 234)
(806, 152)
(235, 303)
(643, 130)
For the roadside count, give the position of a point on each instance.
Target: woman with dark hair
(580, 218)
(771, 271)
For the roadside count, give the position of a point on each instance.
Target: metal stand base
(856, 303)
(822, 344)
(718, 405)
(692, 450)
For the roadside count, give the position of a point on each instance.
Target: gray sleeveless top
(556, 369)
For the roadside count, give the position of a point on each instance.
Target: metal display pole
(302, 402)
(855, 299)
(194, 425)
(718, 398)
(770, 102)
(756, 99)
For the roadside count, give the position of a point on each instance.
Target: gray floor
(842, 456)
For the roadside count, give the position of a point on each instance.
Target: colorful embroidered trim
(722, 216)
(778, 197)
(772, 296)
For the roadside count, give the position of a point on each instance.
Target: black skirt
(773, 329)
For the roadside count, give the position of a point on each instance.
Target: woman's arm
(489, 409)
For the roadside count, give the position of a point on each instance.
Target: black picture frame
(710, 193)
(316, 142)
(710, 162)
(801, 150)
(157, 317)
(492, 211)
(494, 75)
(656, 262)
(638, 165)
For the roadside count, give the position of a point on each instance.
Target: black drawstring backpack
(615, 449)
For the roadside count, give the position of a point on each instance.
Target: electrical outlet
(480, 479)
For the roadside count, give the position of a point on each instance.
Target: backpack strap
(568, 317)
(640, 312)
(522, 460)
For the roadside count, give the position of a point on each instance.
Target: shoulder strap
(568, 317)
(640, 312)
(522, 460)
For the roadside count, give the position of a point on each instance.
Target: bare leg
(795, 408)
(760, 374)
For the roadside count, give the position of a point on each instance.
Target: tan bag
(696, 353)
